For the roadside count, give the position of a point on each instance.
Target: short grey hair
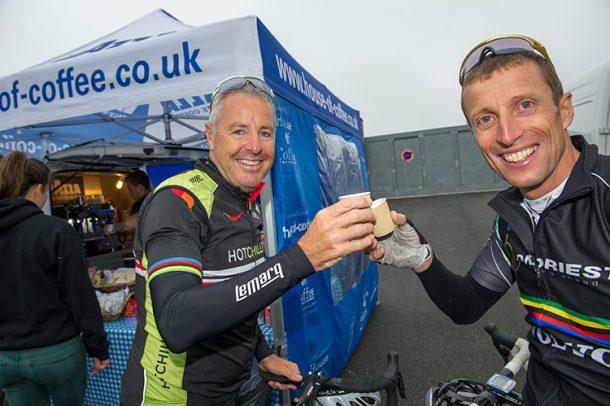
(249, 89)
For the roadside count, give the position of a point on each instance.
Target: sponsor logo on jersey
(245, 253)
(233, 218)
(567, 270)
(196, 179)
(259, 282)
(597, 354)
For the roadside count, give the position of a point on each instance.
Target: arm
(463, 298)
(270, 362)
(459, 297)
(128, 225)
(179, 299)
(262, 348)
(78, 293)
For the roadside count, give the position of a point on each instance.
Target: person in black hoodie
(46, 297)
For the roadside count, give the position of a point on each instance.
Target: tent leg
(277, 312)
(167, 123)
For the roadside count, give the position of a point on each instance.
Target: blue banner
(326, 314)
(289, 79)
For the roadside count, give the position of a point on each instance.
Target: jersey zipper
(541, 279)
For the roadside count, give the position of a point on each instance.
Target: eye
(526, 106)
(239, 132)
(266, 134)
(484, 121)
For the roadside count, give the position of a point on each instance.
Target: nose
(253, 143)
(508, 131)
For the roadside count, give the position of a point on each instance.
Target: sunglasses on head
(238, 82)
(501, 45)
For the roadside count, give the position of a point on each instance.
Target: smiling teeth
(519, 156)
(249, 163)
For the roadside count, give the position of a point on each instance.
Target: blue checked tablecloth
(104, 388)
(274, 397)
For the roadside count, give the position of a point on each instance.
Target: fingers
(346, 213)
(98, 366)
(377, 254)
(398, 218)
(354, 203)
(279, 366)
(337, 231)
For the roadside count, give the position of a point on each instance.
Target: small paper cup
(353, 195)
(384, 226)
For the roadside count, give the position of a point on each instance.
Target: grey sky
(395, 61)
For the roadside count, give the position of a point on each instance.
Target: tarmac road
(432, 348)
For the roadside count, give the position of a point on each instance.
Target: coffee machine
(88, 219)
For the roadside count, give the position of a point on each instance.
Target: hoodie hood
(15, 210)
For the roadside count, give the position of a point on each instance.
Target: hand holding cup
(339, 230)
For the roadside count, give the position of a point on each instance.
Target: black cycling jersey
(562, 267)
(200, 242)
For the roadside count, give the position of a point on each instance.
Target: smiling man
(204, 276)
(552, 231)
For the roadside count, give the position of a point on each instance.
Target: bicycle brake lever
(400, 385)
(504, 352)
(310, 385)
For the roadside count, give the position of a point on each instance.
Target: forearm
(187, 313)
(262, 348)
(459, 297)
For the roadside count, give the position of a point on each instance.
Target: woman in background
(46, 296)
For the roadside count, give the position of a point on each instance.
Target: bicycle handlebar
(518, 346)
(500, 337)
(496, 392)
(388, 381)
(385, 381)
(268, 376)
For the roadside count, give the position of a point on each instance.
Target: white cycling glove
(406, 248)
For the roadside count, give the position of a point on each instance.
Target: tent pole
(133, 129)
(45, 142)
(277, 311)
(167, 118)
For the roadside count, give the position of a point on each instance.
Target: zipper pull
(538, 278)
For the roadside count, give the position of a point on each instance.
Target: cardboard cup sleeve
(384, 226)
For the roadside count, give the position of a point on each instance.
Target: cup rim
(355, 195)
(378, 202)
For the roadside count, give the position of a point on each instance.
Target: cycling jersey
(203, 281)
(562, 268)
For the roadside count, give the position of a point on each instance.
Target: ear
(566, 110)
(209, 135)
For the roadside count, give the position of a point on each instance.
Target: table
(105, 388)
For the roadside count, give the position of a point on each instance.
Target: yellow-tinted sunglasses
(501, 45)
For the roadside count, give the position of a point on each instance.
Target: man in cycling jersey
(552, 231)
(203, 277)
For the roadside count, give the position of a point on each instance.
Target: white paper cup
(384, 226)
(353, 195)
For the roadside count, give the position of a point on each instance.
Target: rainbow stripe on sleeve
(546, 313)
(176, 264)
